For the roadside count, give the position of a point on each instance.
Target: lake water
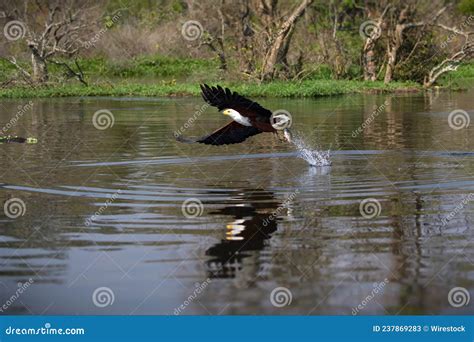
(386, 229)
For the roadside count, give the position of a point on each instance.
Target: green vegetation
(309, 88)
(460, 79)
(148, 66)
(167, 76)
(99, 68)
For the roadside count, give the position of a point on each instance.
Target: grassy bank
(310, 88)
(167, 76)
(460, 79)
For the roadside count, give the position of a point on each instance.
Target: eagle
(248, 118)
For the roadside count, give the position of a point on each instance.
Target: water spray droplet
(312, 156)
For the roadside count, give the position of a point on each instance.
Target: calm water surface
(103, 208)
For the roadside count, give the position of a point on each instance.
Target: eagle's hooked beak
(226, 112)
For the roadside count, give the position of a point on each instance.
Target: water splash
(312, 156)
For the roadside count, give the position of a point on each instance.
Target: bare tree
(403, 19)
(214, 35)
(245, 33)
(52, 29)
(280, 42)
(259, 36)
(333, 49)
(453, 60)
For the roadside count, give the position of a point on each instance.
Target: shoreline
(277, 89)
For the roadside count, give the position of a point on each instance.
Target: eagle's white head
(235, 115)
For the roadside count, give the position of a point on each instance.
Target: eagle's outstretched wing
(225, 98)
(232, 133)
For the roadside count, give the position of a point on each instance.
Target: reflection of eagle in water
(249, 118)
(253, 224)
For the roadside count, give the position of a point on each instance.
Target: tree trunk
(220, 53)
(279, 47)
(368, 52)
(392, 57)
(392, 50)
(40, 69)
(368, 55)
(223, 61)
